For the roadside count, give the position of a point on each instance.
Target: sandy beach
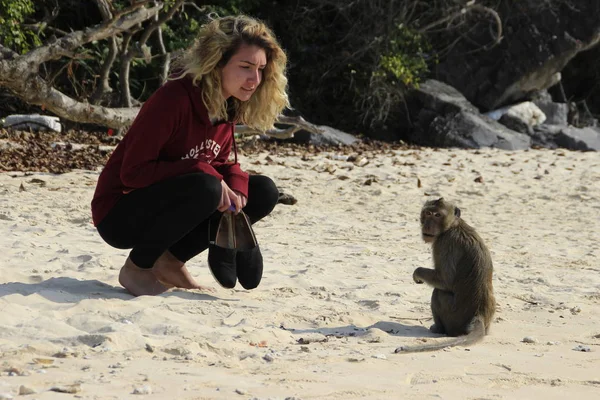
(337, 297)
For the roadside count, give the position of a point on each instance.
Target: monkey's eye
(428, 213)
(437, 215)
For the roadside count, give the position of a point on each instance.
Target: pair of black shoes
(234, 254)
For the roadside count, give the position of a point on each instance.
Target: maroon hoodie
(172, 135)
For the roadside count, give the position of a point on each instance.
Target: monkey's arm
(430, 277)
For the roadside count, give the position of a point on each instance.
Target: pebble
(14, 371)
(146, 389)
(268, 357)
(355, 359)
(66, 353)
(245, 354)
(529, 339)
(240, 391)
(71, 389)
(582, 348)
(380, 356)
(24, 390)
(6, 396)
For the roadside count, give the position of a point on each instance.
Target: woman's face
(243, 72)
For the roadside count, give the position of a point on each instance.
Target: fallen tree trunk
(20, 73)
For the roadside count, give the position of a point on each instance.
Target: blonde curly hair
(216, 43)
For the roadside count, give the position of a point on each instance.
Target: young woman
(171, 174)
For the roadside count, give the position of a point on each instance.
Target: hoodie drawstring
(234, 145)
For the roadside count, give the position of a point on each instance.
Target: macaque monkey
(463, 301)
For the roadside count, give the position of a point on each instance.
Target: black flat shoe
(248, 260)
(222, 253)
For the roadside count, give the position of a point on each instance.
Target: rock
(529, 339)
(527, 112)
(329, 137)
(34, 122)
(24, 390)
(469, 130)
(556, 113)
(514, 123)
(567, 137)
(445, 118)
(442, 98)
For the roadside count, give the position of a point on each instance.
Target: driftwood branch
(19, 73)
(298, 123)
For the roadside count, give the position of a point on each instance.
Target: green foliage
(403, 63)
(12, 16)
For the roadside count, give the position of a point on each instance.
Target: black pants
(175, 214)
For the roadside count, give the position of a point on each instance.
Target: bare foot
(139, 281)
(172, 272)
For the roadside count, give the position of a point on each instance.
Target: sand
(337, 296)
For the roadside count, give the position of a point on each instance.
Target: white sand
(338, 274)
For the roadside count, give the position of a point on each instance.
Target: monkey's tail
(476, 334)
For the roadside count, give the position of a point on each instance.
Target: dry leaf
(43, 361)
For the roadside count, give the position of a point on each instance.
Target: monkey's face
(437, 216)
(432, 223)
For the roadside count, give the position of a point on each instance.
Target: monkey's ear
(457, 212)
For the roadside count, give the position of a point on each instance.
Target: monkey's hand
(417, 277)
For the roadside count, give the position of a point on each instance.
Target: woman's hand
(229, 198)
(243, 198)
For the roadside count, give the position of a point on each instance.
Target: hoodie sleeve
(157, 120)
(232, 173)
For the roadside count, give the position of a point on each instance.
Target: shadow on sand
(69, 290)
(392, 328)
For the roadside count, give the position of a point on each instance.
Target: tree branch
(162, 50)
(128, 55)
(67, 44)
(470, 6)
(104, 84)
(7, 54)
